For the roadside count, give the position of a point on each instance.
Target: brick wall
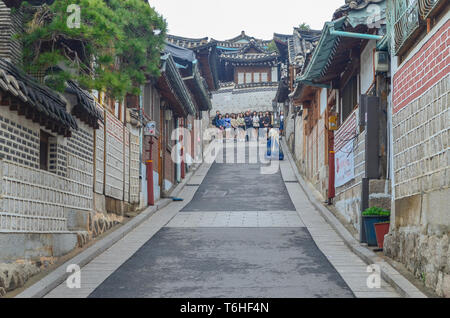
(427, 67)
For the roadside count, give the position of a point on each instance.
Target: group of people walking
(243, 120)
(246, 121)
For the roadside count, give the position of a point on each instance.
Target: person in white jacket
(256, 125)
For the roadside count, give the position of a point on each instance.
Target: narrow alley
(212, 149)
(238, 233)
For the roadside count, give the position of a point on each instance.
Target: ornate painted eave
(240, 42)
(207, 56)
(188, 43)
(34, 101)
(250, 58)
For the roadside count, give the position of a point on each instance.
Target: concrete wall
(33, 247)
(241, 100)
(420, 228)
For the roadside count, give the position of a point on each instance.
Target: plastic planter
(369, 224)
(381, 230)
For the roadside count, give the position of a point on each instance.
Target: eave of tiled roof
(254, 57)
(17, 3)
(188, 43)
(85, 108)
(353, 5)
(173, 87)
(36, 98)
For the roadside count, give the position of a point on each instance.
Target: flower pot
(381, 230)
(369, 224)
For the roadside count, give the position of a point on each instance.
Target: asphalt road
(230, 261)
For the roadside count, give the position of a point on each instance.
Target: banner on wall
(345, 164)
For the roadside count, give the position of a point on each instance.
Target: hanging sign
(345, 165)
(150, 129)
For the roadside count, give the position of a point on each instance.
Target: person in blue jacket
(227, 120)
(220, 123)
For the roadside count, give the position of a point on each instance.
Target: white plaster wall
(367, 74)
(237, 101)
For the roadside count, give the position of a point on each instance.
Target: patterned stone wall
(421, 142)
(37, 201)
(19, 139)
(99, 158)
(127, 166)
(134, 168)
(114, 186)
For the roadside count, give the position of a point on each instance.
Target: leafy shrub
(376, 211)
(114, 49)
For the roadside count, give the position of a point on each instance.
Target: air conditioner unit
(381, 61)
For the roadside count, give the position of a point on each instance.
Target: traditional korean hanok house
(248, 75)
(190, 70)
(419, 34)
(294, 50)
(176, 104)
(206, 53)
(179, 98)
(336, 82)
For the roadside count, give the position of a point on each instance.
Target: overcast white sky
(225, 19)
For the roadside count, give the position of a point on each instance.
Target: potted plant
(381, 230)
(371, 217)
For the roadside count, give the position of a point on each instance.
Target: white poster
(345, 165)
